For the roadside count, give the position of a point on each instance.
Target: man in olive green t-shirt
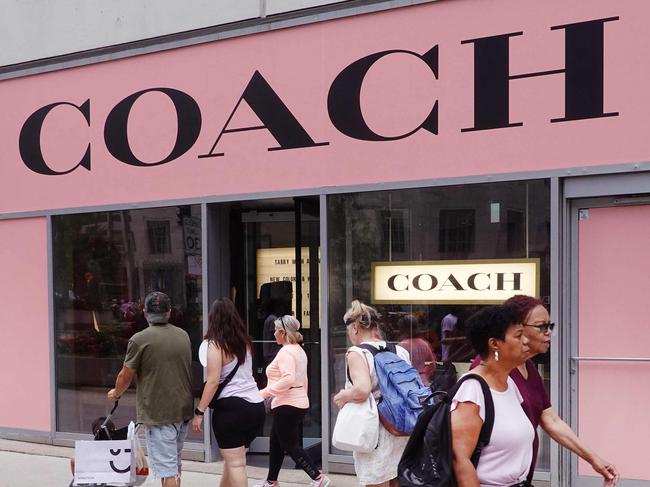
(161, 357)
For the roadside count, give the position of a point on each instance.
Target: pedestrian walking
(537, 405)
(287, 392)
(161, 357)
(231, 391)
(379, 467)
(498, 336)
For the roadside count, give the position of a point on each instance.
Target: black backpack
(443, 377)
(427, 460)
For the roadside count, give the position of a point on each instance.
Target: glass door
(273, 256)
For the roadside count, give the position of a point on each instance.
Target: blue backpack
(403, 394)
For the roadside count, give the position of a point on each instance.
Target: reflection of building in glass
(276, 265)
(104, 265)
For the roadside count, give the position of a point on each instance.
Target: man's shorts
(164, 446)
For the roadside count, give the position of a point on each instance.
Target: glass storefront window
(104, 264)
(509, 220)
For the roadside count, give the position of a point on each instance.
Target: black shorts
(237, 422)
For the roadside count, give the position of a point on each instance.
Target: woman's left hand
(341, 398)
(265, 393)
(607, 470)
(196, 423)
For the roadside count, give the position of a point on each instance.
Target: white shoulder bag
(357, 426)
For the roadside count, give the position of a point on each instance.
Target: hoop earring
(496, 355)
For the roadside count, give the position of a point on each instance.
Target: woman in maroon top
(537, 406)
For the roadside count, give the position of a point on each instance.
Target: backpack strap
(390, 347)
(225, 382)
(488, 424)
(347, 368)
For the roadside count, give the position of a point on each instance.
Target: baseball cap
(157, 302)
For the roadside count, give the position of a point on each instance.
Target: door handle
(611, 359)
(575, 360)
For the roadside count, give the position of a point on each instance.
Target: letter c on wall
(344, 98)
(29, 142)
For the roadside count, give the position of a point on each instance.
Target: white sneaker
(322, 481)
(266, 483)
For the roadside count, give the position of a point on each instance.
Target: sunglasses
(543, 327)
(283, 325)
(349, 321)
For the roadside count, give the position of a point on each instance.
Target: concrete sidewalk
(33, 465)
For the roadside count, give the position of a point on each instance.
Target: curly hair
(524, 304)
(227, 330)
(490, 322)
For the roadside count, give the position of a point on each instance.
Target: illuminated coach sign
(454, 281)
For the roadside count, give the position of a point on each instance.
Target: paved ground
(34, 465)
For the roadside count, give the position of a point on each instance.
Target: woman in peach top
(287, 386)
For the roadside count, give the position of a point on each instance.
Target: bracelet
(198, 412)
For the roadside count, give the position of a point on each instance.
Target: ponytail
(365, 316)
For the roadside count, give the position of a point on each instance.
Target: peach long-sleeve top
(287, 378)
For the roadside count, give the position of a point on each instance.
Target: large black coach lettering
(275, 117)
(344, 98)
(583, 76)
(188, 116)
(29, 141)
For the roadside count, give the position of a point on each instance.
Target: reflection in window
(104, 264)
(159, 238)
(516, 230)
(456, 233)
(429, 224)
(394, 231)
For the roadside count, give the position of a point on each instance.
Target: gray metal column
(324, 331)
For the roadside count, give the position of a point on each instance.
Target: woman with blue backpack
(378, 467)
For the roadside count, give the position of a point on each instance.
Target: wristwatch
(198, 412)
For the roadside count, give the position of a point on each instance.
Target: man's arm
(122, 383)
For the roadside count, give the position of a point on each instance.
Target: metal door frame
(211, 235)
(585, 193)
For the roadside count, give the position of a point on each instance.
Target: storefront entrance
(610, 365)
(265, 256)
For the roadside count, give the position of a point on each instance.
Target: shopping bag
(141, 464)
(357, 426)
(101, 462)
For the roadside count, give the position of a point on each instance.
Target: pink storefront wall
(25, 359)
(300, 65)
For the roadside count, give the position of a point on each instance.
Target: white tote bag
(102, 462)
(357, 426)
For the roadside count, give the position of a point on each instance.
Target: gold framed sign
(481, 281)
